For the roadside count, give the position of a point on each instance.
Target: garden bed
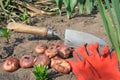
(21, 44)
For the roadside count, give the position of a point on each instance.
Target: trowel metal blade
(76, 38)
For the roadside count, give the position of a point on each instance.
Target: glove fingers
(83, 51)
(76, 67)
(114, 56)
(83, 70)
(105, 52)
(91, 72)
(76, 56)
(76, 64)
(97, 45)
(93, 49)
(71, 62)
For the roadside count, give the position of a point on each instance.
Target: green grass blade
(108, 27)
(116, 6)
(108, 24)
(112, 15)
(114, 19)
(7, 3)
(110, 11)
(102, 12)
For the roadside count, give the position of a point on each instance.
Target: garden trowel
(75, 38)
(72, 38)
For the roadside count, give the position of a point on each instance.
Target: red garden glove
(95, 65)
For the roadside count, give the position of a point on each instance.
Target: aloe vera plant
(111, 19)
(83, 5)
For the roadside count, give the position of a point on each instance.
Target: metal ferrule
(50, 33)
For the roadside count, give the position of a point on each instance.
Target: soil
(21, 44)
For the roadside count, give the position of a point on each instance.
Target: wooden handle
(18, 27)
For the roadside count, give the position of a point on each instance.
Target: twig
(30, 7)
(39, 2)
(32, 14)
